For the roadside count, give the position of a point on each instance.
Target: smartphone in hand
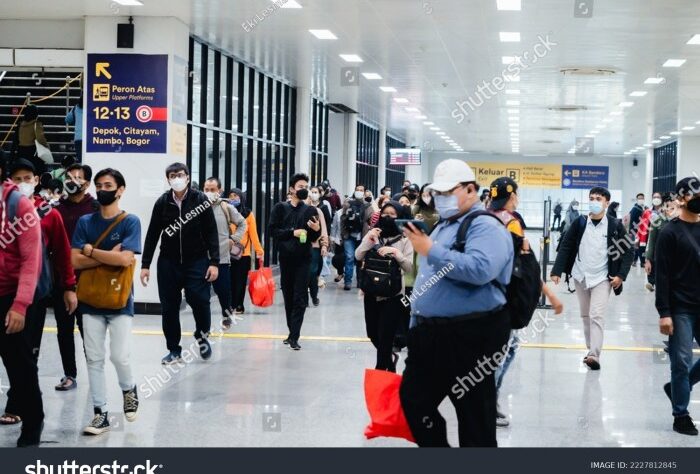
(401, 223)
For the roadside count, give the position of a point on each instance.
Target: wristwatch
(71, 288)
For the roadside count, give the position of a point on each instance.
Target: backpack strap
(12, 201)
(109, 229)
(461, 240)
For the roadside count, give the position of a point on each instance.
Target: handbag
(106, 286)
(236, 250)
(261, 286)
(42, 152)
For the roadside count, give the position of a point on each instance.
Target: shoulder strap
(12, 204)
(464, 228)
(109, 229)
(227, 211)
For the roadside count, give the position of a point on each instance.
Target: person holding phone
(383, 313)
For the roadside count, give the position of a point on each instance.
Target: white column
(302, 161)
(687, 161)
(381, 181)
(144, 172)
(350, 157)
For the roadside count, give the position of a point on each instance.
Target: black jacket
(185, 234)
(284, 220)
(620, 249)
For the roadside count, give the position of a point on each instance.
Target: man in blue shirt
(459, 333)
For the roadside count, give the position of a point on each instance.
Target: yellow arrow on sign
(101, 68)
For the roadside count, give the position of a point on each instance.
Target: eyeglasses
(181, 174)
(445, 193)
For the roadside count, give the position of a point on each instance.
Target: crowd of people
(443, 270)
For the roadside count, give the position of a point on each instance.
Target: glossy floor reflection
(256, 392)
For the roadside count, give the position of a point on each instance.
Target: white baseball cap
(450, 173)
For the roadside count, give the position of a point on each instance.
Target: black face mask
(106, 197)
(368, 199)
(302, 194)
(694, 205)
(388, 226)
(412, 196)
(72, 188)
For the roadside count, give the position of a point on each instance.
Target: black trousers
(22, 372)
(556, 221)
(294, 279)
(454, 360)
(382, 317)
(239, 281)
(404, 321)
(315, 271)
(65, 324)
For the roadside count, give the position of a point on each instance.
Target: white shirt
(591, 265)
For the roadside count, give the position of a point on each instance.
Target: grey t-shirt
(220, 208)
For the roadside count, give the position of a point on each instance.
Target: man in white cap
(458, 328)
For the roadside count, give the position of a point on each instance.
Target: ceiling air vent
(341, 109)
(587, 71)
(567, 108)
(556, 129)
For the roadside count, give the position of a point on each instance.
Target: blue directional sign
(584, 177)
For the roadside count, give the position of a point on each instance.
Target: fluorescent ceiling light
(656, 141)
(508, 4)
(607, 120)
(421, 117)
(511, 78)
(371, 76)
(589, 136)
(440, 133)
(638, 93)
(387, 89)
(626, 104)
(129, 3)
(446, 138)
(697, 123)
(513, 111)
(654, 80)
(688, 128)
(594, 132)
(674, 63)
(411, 109)
(600, 126)
(323, 34)
(513, 91)
(675, 133)
(513, 118)
(513, 102)
(664, 137)
(509, 36)
(351, 58)
(289, 4)
(647, 145)
(694, 40)
(428, 123)
(400, 100)
(435, 129)
(616, 112)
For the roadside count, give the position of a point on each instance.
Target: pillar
(302, 162)
(381, 181)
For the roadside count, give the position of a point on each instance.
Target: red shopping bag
(384, 406)
(261, 286)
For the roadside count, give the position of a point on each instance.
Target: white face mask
(314, 197)
(359, 194)
(640, 202)
(178, 184)
(387, 193)
(575, 207)
(427, 199)
(212, 196)
(45, 194)
(656, 201)
(27, 189)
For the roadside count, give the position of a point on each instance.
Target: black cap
(501, 190)
(22, 164)
(688, 186)
(414, 187)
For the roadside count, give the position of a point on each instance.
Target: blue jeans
(684, 374)
(349, 246)
(513, 344)
(222, 288)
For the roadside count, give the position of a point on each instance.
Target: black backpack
(381, 276)
(525, 287)
(354, 225)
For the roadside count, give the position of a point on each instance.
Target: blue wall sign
(584, 177)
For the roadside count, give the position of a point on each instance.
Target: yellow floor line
(576, 347)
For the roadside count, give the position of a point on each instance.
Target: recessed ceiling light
(675, 133)
(400, 100)
(513, 91)
(428, 123)
(371, 76)
(647, 145)
(289, 4)
(513, 111)
(387, 89)
(446, 138)
(626, 104)
(129, 3)
(588, 136)
(509, 36)
(616, 112)
(674, 63)
(607, 120)
(513, 118)
(513, 102)
(627, 153)
(508, 4)
(435, 129)
(421, 117)
(656, 141)
(323, 34)
(600, 126)
(411, 109)
(688, 128)
(440, 133)
(594, 132)
(694, 40)
(351, 58)
(664, 137)
(654, 80)
(638, 94)
(511, 78)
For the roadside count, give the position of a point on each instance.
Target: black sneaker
(315, 301)
(347, 288)
(667, 391)
(286, 341)
(684, 425)
(171, 358)
(239, 310)
(131, 404)
(294, 345)
(592, 363)
(226, 323)
(99, 424)
(338, 278)
(204, 348)
(29, 438)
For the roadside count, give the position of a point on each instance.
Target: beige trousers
(593, 303)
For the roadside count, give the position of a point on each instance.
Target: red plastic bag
(261, 286)
(384, 406)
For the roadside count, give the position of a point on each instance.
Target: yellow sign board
(534, 175)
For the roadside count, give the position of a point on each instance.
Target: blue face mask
(595, 207)
(447, 206)
(236, 202)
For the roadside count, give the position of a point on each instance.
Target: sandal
(10, 419)
(67, 383)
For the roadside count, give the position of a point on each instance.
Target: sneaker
(667, 391)
(592, 363)
(131, 404)
(684, 425)
(286, 341)
(99, 424)
(316, 301)
(239, 310)
(294, 345)
(502, 422)
(171, 358)
(338, 278)
(29, 438)
(226, 323)
(66, 383)
(649, 287)
(347, 288)
(204, 348)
